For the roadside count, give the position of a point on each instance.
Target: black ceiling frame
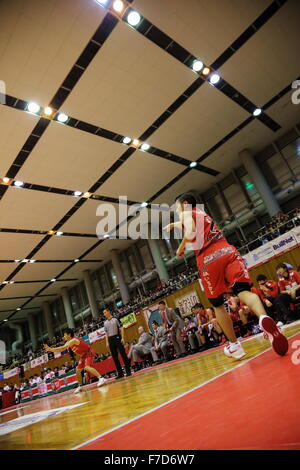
(190, 90)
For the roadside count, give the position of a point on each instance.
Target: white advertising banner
(96, 335)
(186, 302)
(283, 243)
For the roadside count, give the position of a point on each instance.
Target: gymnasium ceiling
(112, 81)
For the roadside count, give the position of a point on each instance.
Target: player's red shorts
(86, 360)
(220, 267)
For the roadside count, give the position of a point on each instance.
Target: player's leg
(91, 370)
(79, 369)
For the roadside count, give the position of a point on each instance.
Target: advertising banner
(10, 373)
(128, 320)
(186, 302)
(96, 335)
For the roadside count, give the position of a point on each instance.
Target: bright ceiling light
(144, 204)
(51, 232)
(33, 107)
(62, 117)
(6, 180)
(5, 319)
(25, 260)
(48, 111)
(257, 112)
(32, 261)
(193, 164)
(126, 140)
(145, 146)
(206, 71)
(87, 195)
(214, 78)
(18, 308)
(106, 235)
(118, 6)
(77, 193)
(134, 18)
(4, 282)
(197, 65)
(18, 184)
(12, 282)
(53, 280)
(58, 234)
(17, 260)
(136, 142)
(76, 260)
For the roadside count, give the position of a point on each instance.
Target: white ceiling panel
(69, 159)
(39, 271)
(64, 248)
(200, 123)
(40, 41)
(15, 245)
(128, 85)
(204, 27)
(270, 60)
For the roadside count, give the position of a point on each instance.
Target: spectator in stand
(6, 387)
(161, 342)
(141, 349)
(268, 291)
(49, 374)
(289, 284)
(174, 324)
(189, 334)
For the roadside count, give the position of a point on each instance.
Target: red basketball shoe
(277, 339)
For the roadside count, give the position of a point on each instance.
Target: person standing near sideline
(115, 342)
(174, 324)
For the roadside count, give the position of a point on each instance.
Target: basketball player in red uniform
(86, 353)
(221, 268)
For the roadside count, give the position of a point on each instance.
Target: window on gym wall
(292, 154)
(280, 170)
(236, 199)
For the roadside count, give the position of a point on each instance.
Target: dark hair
(261, 277)
(187, 197)
(282, 265)
(198, 305)
(162, 302)
(154, 323)
(69, 331)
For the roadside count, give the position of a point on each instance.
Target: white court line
(174, 399)
(11, 411)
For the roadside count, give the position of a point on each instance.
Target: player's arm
(189, 225)
(67, 345)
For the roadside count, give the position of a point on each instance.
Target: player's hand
(122, 341)
(107, 346)
(180, 252)
(168, 228)
(268, 303)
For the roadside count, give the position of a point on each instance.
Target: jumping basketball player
(86, 353)
(221, 268)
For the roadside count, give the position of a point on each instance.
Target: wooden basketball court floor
(204, 401)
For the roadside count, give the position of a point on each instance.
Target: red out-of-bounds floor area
(256, 406)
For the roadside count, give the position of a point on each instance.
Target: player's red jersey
(290, 283)
(81, 348)
(212, 235)
(272, 293)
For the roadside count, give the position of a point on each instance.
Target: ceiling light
(33, 108)
(4, 282)
(51, 232)
(62, 117)
(193, 164)
(257, 112)
(134, 18)
(118, 5)
(18, 308)
(87, 195)
(12, 282)
(77, 193)
(5, 319)
(17, 260)
(145, 146)
(25, 260)
(53, 280)
(48, 111)
(206, 71)
(106, 235)
(197, 65)
(126, 140)
(58, 234)
(136, 142)
(214, 78)
(32, 261)
(6, 180)
(76, 260)
(18, 184)
(144, 204)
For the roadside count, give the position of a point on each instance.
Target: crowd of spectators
(276, 226)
